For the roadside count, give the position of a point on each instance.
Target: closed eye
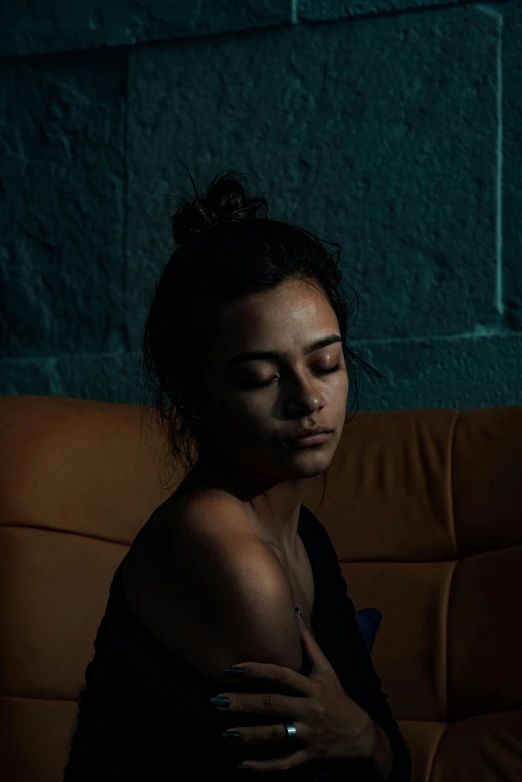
(336, 368)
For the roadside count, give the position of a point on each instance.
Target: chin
(312, 464)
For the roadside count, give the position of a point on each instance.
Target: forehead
(282, 318)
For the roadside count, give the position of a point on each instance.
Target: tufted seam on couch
(451, 510)
(436, 751)
(451, 487)
(35, 699)
(53, 530)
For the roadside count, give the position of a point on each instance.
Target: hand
(328, 720)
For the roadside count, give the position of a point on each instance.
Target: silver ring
(291, 731)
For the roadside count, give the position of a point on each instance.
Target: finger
(280, 675)
(267, 734)
(279, 764)
(267, 704)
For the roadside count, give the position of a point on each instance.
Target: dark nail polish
(249, 768)
(298, 611)
(233, 672)
(231, 735)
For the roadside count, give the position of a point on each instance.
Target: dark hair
(228, 249)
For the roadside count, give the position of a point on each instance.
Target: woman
(245, 342)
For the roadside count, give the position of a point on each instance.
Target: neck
(271, 507)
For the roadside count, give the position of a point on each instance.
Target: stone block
(328, 10)
(56, 26)
(110, 377)
(61, 179)
(387, 145)
(464, 372)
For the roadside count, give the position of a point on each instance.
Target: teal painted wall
(393, 127)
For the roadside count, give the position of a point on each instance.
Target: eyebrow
(260, 355)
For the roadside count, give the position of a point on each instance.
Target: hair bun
(225, 201)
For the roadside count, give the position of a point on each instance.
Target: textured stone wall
(393, 127)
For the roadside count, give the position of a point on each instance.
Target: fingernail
(249, 767)
(234, 672)
(231, 735)
(220, 701)
(299, 612)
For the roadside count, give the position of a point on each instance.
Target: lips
(308, 442)
(304, 433)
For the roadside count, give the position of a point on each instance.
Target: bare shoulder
(230, 591)
(218, 549)
(209, 512)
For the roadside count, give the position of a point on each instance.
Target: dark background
(391, 126)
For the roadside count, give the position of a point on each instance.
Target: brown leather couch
(424, 508)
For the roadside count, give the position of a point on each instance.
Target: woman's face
(256, 404)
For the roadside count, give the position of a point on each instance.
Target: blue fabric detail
(369, 620)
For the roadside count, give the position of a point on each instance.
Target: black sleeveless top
(145, 715)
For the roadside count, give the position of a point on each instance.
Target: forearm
(372, 747)
(378, 750)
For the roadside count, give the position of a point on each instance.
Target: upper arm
(242, 597)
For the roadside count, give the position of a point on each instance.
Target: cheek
(236, 415)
